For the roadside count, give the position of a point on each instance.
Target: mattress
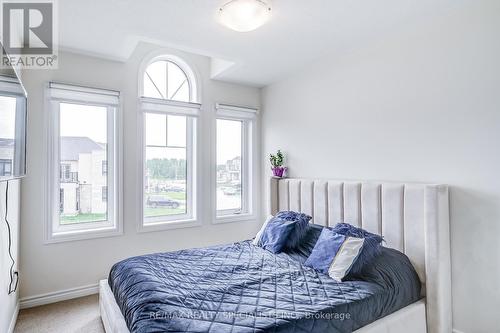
(240, 287)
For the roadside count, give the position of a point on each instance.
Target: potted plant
(277, 164)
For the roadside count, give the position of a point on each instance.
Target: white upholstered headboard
(413, 218)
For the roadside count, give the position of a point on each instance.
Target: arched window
(169, 80)
(168, 96)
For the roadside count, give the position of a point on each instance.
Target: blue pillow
(275, 235)
(284, 231)
(371, 248)
(298, 233)
(334, 254)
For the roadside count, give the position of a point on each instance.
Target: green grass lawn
(162, 211)
(148, 211)
(82, 218)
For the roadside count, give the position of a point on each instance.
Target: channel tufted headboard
(413, 218)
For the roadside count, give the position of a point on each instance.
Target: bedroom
(149, 130)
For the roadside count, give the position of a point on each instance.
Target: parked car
(161, 201)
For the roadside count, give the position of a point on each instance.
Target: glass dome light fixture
(244, 15)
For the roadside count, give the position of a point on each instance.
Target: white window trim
(55, 94)
(249, 118)
(170, 107)
(173, 221)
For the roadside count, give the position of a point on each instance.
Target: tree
(164, 168)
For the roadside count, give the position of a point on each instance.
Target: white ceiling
(299, 31)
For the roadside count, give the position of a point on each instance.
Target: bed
(242, 288)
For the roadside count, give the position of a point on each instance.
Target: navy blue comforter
(243, 288)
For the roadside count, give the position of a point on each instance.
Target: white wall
(56, 267)
(8, 303)
(422, 105)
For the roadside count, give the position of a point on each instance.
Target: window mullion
(166, 131)
(166, 80)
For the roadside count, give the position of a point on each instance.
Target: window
(5, 167)
(166, 80)
(234, 154)
(83, 141)
(169, 142)
(229, 166)
(166, 190)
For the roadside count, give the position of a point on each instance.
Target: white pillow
(259, 234)
(345, 257)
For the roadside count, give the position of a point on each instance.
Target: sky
(228, 140)
(84, 120)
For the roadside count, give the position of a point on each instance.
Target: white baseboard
(58, 296)
(13, 320)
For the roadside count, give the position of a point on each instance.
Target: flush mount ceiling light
(244, 15)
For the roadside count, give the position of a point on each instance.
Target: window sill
(167, 225)
(234, 218)
(75, 235)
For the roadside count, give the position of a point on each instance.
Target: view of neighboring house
(229, 172)
(229, 183)
(6, 156)
(83, 176)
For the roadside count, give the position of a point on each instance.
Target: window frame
(249, 119)
(175, 219)
(192, 77)
(244, 171)
(188, 80)
(189, 109)
(57, 94)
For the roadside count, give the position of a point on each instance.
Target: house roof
(73, 146)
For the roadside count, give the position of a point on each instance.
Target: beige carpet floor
(79, 315)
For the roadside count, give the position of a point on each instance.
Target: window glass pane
(156, 131)
(183, 93)
(229, 165)
(176, 131)
(177, 80)
(165, 187)
(165, 80)
(83, 151)
(150, 89)
(156, 76)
